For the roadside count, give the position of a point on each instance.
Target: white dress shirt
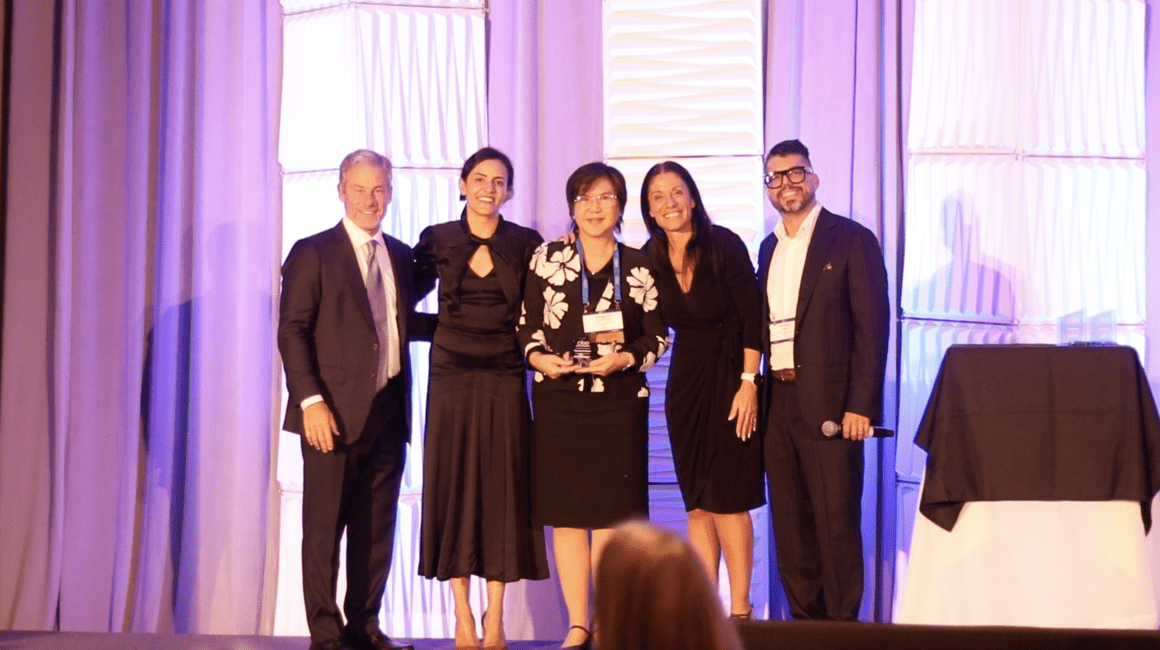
(782, 287)
(359, 239)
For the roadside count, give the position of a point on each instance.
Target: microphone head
(831, 428)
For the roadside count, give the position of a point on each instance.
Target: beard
(795, 202)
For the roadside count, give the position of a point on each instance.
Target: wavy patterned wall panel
(682, 78)
(409, 82)
(1085, 221)
(1084, 79)
(310, 204)
(730, 187)
(1002, 239)
(660, 450)
(965, 75)
(1049, 334)
(1057, 77)
(290, 7)
(965, 238)
(905, 508)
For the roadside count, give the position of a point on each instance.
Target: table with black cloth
(1041, 468)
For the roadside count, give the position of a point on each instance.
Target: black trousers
(353, 488)
(815, 499)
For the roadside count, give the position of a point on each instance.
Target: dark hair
(363, 155)
(653, 592)
(487, 153)
(586, 176)
(789, 148)
(658, 246)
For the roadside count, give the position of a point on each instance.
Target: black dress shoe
(329, 644)
(375, 641)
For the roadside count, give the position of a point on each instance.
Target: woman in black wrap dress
(709, 295)
(476, 501)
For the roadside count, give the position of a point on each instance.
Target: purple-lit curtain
(141, 278)
(545, 100)
(837, 78)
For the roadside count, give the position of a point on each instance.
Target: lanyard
(584, 274)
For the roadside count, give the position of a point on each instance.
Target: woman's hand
(744, 410)
(552, 365)
(605, 366)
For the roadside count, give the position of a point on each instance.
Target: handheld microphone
(831, 429)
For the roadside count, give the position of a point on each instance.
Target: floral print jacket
(552, 321)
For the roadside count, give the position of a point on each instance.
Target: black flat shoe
(586, 644)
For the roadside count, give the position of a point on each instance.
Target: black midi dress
(476, 499)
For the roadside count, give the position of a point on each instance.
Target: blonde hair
(652, 592)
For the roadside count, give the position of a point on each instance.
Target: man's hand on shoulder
(319, 427)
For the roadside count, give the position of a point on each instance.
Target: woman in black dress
(476, 503)
(590, 329)
(709, 296)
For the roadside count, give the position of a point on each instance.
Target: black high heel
(744, 616)
(586, 644)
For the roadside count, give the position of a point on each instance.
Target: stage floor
(755, 635)
(97, 641)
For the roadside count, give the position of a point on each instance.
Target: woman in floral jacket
(591, 327)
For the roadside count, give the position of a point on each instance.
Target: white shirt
(783, 285)
(358, 240)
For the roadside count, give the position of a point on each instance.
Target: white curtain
(136, 403)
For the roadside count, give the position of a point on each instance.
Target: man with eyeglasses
(827, 326)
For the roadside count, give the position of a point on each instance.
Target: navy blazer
(326, 331)
(843, 321)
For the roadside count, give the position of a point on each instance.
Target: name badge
(781, 331)
(604, 326)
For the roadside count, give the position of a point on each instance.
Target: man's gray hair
(363, 155)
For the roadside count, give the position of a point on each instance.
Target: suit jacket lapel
(816, 254)
(348, 262)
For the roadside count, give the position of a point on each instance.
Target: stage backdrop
(633, 83)
(138, 400)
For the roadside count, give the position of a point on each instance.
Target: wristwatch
(750, 377)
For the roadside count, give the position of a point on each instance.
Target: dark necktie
(377, 294)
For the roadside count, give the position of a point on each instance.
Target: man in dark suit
(347, 297)
(824, 296)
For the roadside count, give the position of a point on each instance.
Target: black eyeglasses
(794, 174)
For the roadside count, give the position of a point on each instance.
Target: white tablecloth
(1075, 564)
